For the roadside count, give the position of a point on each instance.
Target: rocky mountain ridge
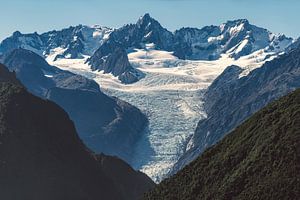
(107, 47)
(105, 124)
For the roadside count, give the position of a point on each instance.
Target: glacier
(170, 95)
(169, 90)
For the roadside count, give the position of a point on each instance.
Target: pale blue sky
(279, 16)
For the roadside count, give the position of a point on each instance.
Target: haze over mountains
(174, 79)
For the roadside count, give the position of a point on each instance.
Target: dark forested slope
(260, 159)
(41, 156)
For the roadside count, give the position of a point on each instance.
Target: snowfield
(170, 95)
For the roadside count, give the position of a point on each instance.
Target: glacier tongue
(170, 94)
(173, 116)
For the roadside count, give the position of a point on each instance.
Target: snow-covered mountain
(72, 42)
(168, 73)
(106, 47)
(145, 30)
(111, 58)
(236, 38)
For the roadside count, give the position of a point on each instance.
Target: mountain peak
(146, 19)
(17, 34)
(238, 21)
(146, 16)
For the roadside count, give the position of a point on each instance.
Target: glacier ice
(170, 95)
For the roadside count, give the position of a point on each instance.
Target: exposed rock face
(71, 81)
(146, 30)
(43, 158)
(130, 76)
(105, 124)
(293, 46)
(111, 57)
(258, 160)
(230, 99)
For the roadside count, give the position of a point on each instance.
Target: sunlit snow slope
(170, 94)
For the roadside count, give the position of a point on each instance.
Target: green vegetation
(259, 160)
